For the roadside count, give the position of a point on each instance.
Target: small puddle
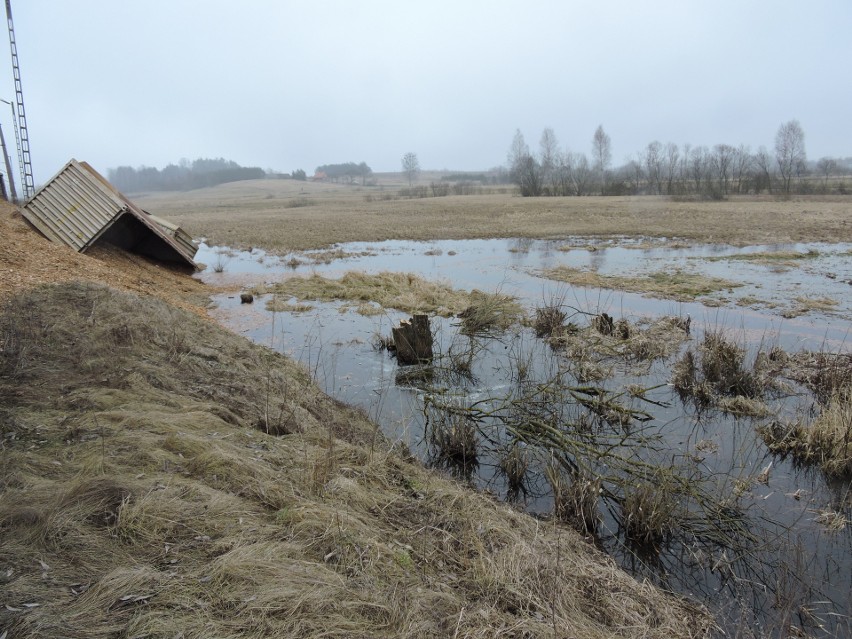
(778, 563)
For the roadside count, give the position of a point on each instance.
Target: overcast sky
(290, 85)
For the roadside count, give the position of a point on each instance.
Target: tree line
(345, 172)
(668, 169)
(183, 176)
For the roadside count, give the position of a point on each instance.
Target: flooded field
(619, 428)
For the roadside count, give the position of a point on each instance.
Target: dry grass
(826, 442)
(277, 305)
(478, 311)
(649, 513)
(140, 499)
(783, 259)
(575, 497)
(676, 285)
(717, 373)
(806, 304)
(490, 311)
(255, 213)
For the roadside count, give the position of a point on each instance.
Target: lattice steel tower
(22, 136)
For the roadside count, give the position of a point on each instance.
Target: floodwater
(780, 566)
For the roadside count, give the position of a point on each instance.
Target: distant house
(80, 208)
(319, 176)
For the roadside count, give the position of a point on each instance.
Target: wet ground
(787, 567)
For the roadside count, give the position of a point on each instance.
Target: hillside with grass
(161, 476)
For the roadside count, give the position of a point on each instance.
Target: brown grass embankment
(142, 496)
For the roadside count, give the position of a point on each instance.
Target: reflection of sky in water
(337, 348)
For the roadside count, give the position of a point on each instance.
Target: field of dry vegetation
(285, 215)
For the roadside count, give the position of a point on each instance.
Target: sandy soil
(28, 259)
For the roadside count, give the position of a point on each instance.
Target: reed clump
(549, 321)
(489, 312)
(717, 369)
(576, 496)
(514, 464)
(455, 439)
(826, 442)
(649, 513)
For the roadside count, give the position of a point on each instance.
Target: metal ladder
(22, 136)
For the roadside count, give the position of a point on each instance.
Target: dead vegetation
(826, 440)
(717, 373)
(342, 213)
(401, 291)
(676, 285)
(141, 497)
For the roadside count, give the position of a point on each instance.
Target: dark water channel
(755, 543)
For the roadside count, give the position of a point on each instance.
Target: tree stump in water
(413, 340)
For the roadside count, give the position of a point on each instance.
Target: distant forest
(182, 177)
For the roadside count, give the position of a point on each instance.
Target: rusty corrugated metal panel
(78, 205)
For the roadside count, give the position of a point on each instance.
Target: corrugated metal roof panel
(78, 205)
(72, 208)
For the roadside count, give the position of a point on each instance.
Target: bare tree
(635, 175)
(741, 169)
(762, 170)
(653, 161)
(517, 151)
(528, 176)
(790, 153)
(721, 160)
(671, 162)
(549, 152)
(410, 166)
(826, 167)
(601, 155)
(698, 167)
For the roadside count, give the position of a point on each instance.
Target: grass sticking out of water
(806, 304)
(676, 285)
(771, 258)
(405, 292)
(402, 291)
(826, 442)
(282, 306)
(490, 311)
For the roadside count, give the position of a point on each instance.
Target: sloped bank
(142, 496)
